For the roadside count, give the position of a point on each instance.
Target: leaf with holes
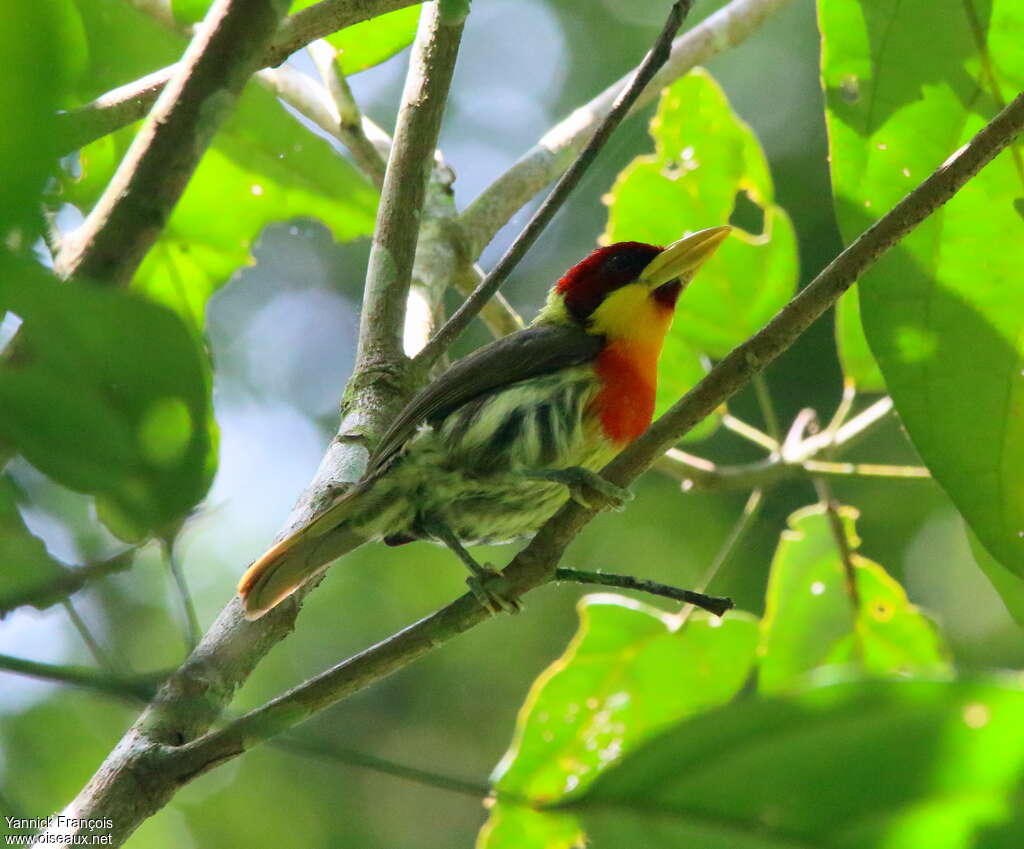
(942, 310)
(921, 764)
(629, 671)
(705, 156)
(810, 621)
(108, 394)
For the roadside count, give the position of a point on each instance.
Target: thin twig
(326, 750)
(749, 432)
(95, 649)
(712, 604)
(764, 401)
(866, 470)
(127, 219)
(191, 630)
(549, 158)
(349, 126)
(469, 308)
(750, 510)
(136, 687)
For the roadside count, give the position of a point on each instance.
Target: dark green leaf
(27, 566)
(900, 765)
(810, 620)
(34, 36)
(108, 394)
(941, 311)
(1009, 585)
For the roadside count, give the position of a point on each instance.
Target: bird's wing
(519, 356)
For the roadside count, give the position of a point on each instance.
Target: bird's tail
(294, 561)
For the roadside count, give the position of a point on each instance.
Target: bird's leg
(586, 487)
(480, 575)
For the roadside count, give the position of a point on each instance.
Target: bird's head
(628, 291)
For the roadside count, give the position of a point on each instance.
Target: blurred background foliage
(259, 271)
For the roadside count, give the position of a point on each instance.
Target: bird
(490, 449)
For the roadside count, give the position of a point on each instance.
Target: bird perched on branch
(494, 446)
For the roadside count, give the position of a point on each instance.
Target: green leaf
(371, 42)
(628, 672)
(512, 826)
(921, 764)
(122, 44)
(27, 566)
(34, 36)
(262, 167)
(859, 365)
(810, 621)
(1009, 585)
(704, 157)
(108, 394)
(942, 310)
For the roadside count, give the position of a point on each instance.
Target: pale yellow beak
(683, 257)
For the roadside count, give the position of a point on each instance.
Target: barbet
(494, 446)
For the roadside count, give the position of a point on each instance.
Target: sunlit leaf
(941, 311)
(512, 826)
(628, 672)
(705, 157)
(262, 167)
(108, 394)
(371, 42)
(898, 764)
(810, 620)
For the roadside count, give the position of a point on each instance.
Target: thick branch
(552, 155)
(535, 564)
(120, 229)
(624, 100)
(132, 101)
(409, 165)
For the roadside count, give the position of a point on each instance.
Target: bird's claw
(491, 600)
(599, 494)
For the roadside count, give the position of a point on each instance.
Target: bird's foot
(588, 488)
(489, 598)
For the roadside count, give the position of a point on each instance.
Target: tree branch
(552, 155)
(67, 583)
(469, 308)
(130, 102)
(535, 565)
(122, 226)
(398, 217)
